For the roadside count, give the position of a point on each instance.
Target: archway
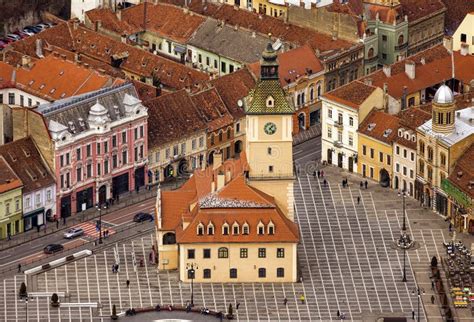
(210, 158)
(238, 146)
(102, 194)
(339, 159)
(395, 183)
(169, 239)
(169, 171)
(302, 121)
(183, 167)
(384, 178)
(329, 156)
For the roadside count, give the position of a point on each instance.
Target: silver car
(73, 233)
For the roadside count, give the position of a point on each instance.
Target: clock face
(270, 128)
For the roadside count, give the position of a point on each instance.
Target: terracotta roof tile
(464, 164)
(416, 9)
(294, 64)
(352, 94)
(9, 179)
(26, 161)
(410, 119)
(380, 126)
(110, 21)
(455, 13)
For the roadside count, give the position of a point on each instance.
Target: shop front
(33, 219)
(459, 206)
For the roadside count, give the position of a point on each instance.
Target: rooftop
(463, 174)
(233, 43)
(110, 21)
(9, 179)
(26, 161)
(353, 94)
(456, 10)
(380, 126)
(418, 9)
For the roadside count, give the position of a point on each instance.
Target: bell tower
(269, 143)
(443, 110)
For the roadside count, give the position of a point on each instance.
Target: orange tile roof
(455, 13)
(464, 164)
(294, 64)
(352, 94)
(386, 14)
(418, 9)
(435, 69)
(164, 19)
(384, 126)
(9, 180)
(110, 21)
(410, 119)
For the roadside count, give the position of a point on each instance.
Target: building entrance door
(351, 164)
(339, 160)
(329, 156)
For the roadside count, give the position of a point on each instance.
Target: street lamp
(418, 291)
(191, 268)
(404, 242)
(100, 207)
(26, 305)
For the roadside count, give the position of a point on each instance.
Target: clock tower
(269, 143)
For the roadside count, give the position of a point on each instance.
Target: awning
(34, 212)
(180, 49)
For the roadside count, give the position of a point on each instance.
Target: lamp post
(100, 207)
(26, 311)
(418, 291)
(404, 242)
(191, 268)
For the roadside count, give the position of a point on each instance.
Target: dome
(444, 95)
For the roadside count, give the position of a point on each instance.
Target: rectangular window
(329, 132)
(280, 253)
(191, 253)
(200, 58)
(142, 129)
(124, 156)
(114, 161)
(381, 156)
(124, 137)
(371, 172)
(206, 253)
(405, 153)
(89, 170)
(22, 100)
(384, 38)
(30, 102)
(404, 171)
(233, 273)
(223, 67)
(79, 174)
(262, 272)
(244, 253)
(208, 61)
(175, 150)
(78, 154)
(389, 159)
(330, 113)
(201, 141)
(372, 153)
(262, 252)
(167, 153)
(98, 148)
(412, 156)
(99, 172)
(364, 150)
(11, 98)
(157, 157)
(207, 273)
(270, 168)
(88, 150)
(397, 150)
(280, 272)
(231, 68)
(114, 141)
(215, 63)
(135, 133)
(411, 173)
(135, 150)
(193, 144)
(351, 121)
(183, 148)
(397, 167)
(106, 147)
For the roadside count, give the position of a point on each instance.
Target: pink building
(100, 146)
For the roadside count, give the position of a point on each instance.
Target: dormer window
(413, 138)
(245, 229)
(210, 229)
(235, 228)
(400, 133)
(225, 229)
(261, 228)
(271, 228)
(200, 229)
(270, 101)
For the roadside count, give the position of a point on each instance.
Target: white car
(73, 233)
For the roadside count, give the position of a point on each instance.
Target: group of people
(115, 268)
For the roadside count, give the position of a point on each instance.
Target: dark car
(33, 29)
(142, 216)
(53, 248)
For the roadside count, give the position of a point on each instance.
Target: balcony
(337, 144)
(401, 47)
(339, 124)
(371, 60)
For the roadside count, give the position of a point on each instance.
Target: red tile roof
(352, 94)
(410, 119)
(110, 21)
(294, 64)
(455, 13)
(9, 180)
(418, 9)
(465, 168)
(166, 20)
(380, 126)
(435, 69)
(26, 161)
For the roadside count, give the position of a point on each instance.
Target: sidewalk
(126, 200)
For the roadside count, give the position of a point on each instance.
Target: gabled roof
(410, 119)
(463, 174)
(8, 178)
(26, 161)
(353, 94)
(294, 65)
(419, 9)
(110, 21)
(380, 126)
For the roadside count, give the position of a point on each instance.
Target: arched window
(223, 252)
(210, 229)
(422, 148)
(298, 100)
(370, 53)
(400, 40)
(271, 228)
(430, 153)
(421, 167)
(235, 228)
(319, 91)
(200, 229)
(169, 239)
(245, 229)
(260, 228)
(225, 229)
(311, 93)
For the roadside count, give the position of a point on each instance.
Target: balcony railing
(401, 47)
(338, 124)
(337, 144)
(371, 60)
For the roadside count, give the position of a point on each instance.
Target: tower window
(270, 101)
(269, 151)
(270, 168)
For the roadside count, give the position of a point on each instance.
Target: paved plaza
(345, 257)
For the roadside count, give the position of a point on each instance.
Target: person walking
(322, 174)
(432, 285)
(361, 185)
(366, 184)
(358, 199)
(432, 299)
(338, 314)
(285, 301)
(128, 284)
(57, 223)
(237, 305)
(302, 298)
(314, 174)
(19, 268)
(450, 227)
(319, 174)
(325, 182)
(413, 314)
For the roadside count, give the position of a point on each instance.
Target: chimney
(217, 160)
(464, 49)
(75, 24)
(97, 25)
(448, 43)
(123, 38)
(387, 70)
(423, 61)
(119, 15)
(410, 69)
(220, 180)
(368, 81)
(39, 48)
(254, 34)
(25, 61)
(404, 97)
(77, 57)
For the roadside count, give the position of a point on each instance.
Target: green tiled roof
(256, 102)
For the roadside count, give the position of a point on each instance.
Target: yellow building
(236, 210)
(376, 136)
(274, 8)
(11, 222)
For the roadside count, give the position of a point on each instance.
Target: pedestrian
(64, 221)
(338, 314)
(432, 299)
(128, 284)
(113, 268)
(9, 237)
(361, 185)
(314, 174)
(285, 301)
(432, 285)
(358, 199)
(413, 314)
(450, 227)
(319, 174)
(343, 183)
(118, 198)
(19, 268)
(322, 174)
(325, 182)
(366, 184)
(343, 316)
(347, 183)
(237, 305)
(141, 262)
(116, 268)
(57, 223)
(302, 298)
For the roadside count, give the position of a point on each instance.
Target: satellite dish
(240, 103)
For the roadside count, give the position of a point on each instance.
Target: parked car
(7, 40)
(142, 216)
(41, 26)
(73, 233)
(33, 29)
(13, 37)
(29, 32)
(21, 34)
(53, 248)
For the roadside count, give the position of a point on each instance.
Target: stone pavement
(306, 135)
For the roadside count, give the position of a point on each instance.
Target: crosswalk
(90, 229)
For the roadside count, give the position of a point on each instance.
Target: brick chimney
(387, 70)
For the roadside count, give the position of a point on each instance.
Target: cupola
(443, 110)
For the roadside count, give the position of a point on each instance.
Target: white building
(342, 112)
(464, 35)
